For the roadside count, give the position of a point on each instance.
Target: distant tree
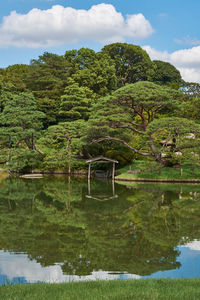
(20, 123)
(47, 79)
(16, 75)
(75, 102)
(173, 140)
(132, 63)
(166, 73)
(62, 143)
(191, 89)
(93, 70)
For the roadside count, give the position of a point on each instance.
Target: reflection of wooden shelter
(103, 196)
(101, 159)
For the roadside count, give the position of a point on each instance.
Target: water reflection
(61, 234)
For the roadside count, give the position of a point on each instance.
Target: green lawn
(146, 170)
(144, 289)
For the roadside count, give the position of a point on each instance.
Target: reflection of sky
(190, 263)
(18, 268)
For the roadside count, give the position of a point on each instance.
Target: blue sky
(167, 30)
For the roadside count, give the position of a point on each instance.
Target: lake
(57, 229)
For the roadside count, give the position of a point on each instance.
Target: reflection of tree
(53, 221)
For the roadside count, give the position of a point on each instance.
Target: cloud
(60, 25)
(163, 15)
(188, 40)
(187, 61)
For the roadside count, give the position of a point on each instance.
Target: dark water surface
(61, 229)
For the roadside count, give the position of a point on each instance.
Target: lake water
(61, 229)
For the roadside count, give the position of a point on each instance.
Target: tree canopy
(166, 73)
(115, 94)
(132, 63)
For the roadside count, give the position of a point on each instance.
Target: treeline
(59, 110)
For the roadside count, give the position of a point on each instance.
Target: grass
(3, 174)
(146, 170)
(144, 289)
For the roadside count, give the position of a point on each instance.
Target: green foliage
(75, 102)
(190, 109)
(112, 89)
(47, 78)
(20, 120)
(129, 111)
(191, 89)
(134, 106)
(166, 73)
(132, 63)
(16, 75)
(20, 125)
(63, 143)
(123, 156)
(95, 71)
(21, 160)
(174, 140)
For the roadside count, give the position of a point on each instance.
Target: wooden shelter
(101, 159)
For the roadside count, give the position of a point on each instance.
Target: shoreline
(158, 180)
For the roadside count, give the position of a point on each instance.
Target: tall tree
(93, 70)
(47, 79)
(132, 63)
(16, 75)
(20, 123)
(166, 73)
(75, 102)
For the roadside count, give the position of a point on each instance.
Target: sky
(167, 30)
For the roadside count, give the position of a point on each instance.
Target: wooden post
(89, 171)
(113, 172)
(89, 189)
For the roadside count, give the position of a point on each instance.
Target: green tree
(62, 144)
(16, 75)
(166, 73)
(173, 140)
(20, 125)
(191, 89)
(129, 111)
(132, 63)
(47, 79)
(93, 70)
(75, 102)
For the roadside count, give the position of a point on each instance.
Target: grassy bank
(147, 289)
(3, 174)
(142, 169)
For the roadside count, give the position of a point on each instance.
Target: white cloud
(188, 40)
(163, 15)
(59, 25)
(187, 61)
